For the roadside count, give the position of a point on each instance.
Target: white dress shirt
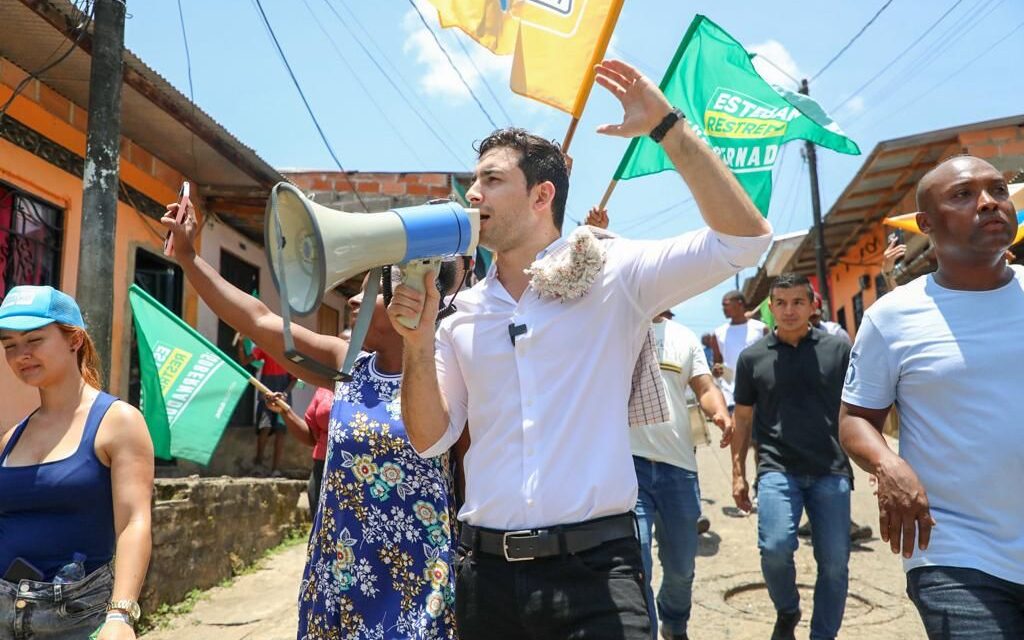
(547, 417)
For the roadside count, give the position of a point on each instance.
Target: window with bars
(31, 233)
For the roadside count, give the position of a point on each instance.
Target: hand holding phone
(183, 203)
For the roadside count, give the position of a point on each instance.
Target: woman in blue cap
(76, 480)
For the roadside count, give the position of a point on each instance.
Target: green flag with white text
(744, 119)
(189, 387)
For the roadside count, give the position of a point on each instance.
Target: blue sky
(960, 73)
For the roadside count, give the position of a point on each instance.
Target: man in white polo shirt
(540, 365)
(732, 338)
(666, 471)
(947, 348)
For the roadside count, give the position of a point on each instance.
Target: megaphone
(312, 248)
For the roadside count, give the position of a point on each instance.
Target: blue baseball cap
(28, 307)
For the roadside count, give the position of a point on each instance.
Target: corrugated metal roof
(154, 114)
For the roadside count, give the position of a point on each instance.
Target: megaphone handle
(413, 274)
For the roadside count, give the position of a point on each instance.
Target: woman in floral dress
(379, 560)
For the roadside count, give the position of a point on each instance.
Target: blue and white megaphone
(312, 248)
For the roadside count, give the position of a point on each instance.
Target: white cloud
(439, 79)
(853, 106)
(774, 50)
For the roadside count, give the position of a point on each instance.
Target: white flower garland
(569, 271)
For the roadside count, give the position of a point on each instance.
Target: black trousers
(316, 478)
(598, 593)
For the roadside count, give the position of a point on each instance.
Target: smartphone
(896, 236)
(21, 569)
(183, 201)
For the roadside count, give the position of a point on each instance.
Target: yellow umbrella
(908, 221)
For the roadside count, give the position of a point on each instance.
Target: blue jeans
(670, 496)
(966, 604)
(781, 498)
(44, 611)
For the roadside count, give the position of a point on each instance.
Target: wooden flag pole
(569, 134)
(607, 194)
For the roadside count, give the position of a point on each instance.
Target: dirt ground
(730, 601)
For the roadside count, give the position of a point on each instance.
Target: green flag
(765, 310)
(189, 387)
(744, 119)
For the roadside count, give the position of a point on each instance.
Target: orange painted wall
(45, 181)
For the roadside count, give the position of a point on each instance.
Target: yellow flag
(556, 43)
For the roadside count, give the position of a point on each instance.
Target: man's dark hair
(735, 295)
(791, 281)
(540, 160)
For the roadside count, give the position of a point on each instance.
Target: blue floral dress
(379, 559)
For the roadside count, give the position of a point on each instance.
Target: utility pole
(101, 178)
(819, 229)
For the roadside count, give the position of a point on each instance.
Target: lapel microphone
(516, 330)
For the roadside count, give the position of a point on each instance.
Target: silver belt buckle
(523, 533)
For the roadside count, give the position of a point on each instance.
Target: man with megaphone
(537, 361)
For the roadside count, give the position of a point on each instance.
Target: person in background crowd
(76, 480)
(788, 387)
(731, 339)
(829, 327)
(277, 379)
(381, 546)
(311, 430)
(950, 501)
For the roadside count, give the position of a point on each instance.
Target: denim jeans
(781, 498)
(33, 610)
(669, 501)
(966, 604)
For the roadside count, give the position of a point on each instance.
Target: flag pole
(588, 82)
(607, 194)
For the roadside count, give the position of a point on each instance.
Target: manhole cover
(746, 594)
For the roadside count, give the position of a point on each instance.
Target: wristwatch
(129, 607)
(658, 133)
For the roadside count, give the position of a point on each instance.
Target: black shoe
(859, 533)
(805, 530)
(785, 626)
(703, 525)
(669, 636)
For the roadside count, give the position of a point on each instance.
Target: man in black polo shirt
(788, 389)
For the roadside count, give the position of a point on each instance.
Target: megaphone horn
(313, 248)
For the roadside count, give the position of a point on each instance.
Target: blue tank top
(50, 511)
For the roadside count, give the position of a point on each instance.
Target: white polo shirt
(681, 358)
(548, 415)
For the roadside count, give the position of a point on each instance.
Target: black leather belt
(528, 544)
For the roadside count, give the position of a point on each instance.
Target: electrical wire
(451, 62)
(387, 76)
(309, 109)
(35, 75)
(483, 79)
(888, 66)
(946, 78)
(647, 219)
(852, 40)
(369, 94)
(191, 89)
(778, 68)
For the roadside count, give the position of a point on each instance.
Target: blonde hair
(88, 359)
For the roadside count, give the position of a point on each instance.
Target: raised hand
(643, 104)
(598, 217)
(184, 233)
(892, 253)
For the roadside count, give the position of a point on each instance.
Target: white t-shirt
(835, 329)
(732, 340)
(951, 361)
(681, 357)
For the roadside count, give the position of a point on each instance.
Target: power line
(649, 218)
(390, 80)
(852, 40)
(309, 109)
(483, 79)
(451, 62)
(778, 68)
(88, 14)
(359, 81)
(955, 73)
(191, 90)
(899, 56)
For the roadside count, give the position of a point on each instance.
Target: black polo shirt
(795, 392)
